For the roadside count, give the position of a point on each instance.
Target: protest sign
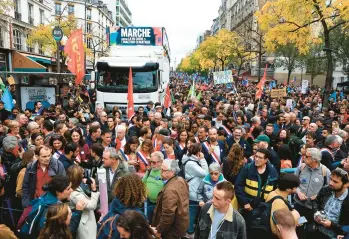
(278, 93)
(222, 77)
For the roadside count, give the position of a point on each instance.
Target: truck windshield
(116, 80)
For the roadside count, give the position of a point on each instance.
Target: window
(41, 52)
(88, 14)
(58, 9)
(89, 43)
(17, 39)
(30, 14)
(70, 9)
(42, 17)
(29, 47)
(1, 37)
(88, 28)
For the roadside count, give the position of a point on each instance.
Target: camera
(321, 215)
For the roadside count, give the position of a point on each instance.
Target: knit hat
(9, 142)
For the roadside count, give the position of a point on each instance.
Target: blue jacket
(37, 216)
(208, 156)
(248, 187)
(116, 208)
(29, 182)
(205, 192)
(65, 161)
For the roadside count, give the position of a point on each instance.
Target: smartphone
(302, 220)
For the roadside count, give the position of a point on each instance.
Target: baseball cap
(263, 138)
(164, 132)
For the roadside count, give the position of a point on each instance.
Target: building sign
(278, 93)
(223, 77)
(146, 36)
(29, 95)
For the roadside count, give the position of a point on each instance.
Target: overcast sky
(184, 20)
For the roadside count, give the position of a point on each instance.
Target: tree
(314, 61)
(341, 47)
(98, 46)
(287, 56)
(6, 6)
(241, 53)
(299, 22)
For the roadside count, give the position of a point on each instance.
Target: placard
(305, 84)
(223, 77)
(132, 36)
(29, 95)
(278, 93)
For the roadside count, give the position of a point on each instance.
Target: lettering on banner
(278, 93)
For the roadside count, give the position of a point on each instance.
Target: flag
(2, 85)
(198, 96)
(274, 83)
(334, 96)
(74, 48)
(294, 79)
(260, 85)
(270, 85)
(167, 100)
(130, 105)
(7, 99)
(341, 95)
(245, 82)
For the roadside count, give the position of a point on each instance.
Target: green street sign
(57, 33)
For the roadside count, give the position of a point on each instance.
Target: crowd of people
(222, 165)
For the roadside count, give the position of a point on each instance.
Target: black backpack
(182, 169)
(259, 223)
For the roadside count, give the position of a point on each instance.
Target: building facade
(93, 17)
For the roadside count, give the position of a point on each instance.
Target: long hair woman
(143, 155)
(87, 226)
(77, 137)
(130, 193)
(133, 225)
(130, 151)
(57, 143)
(57, 220)
(233, 163)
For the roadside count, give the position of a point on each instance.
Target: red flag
(74, 48)
(285, 82)
(260, 85)
(130, 104)
(167, 100)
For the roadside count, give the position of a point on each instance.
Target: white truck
(144, 49)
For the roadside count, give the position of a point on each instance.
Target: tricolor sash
(181, 147)
(197, 140)
(213, 154)
(124, 155)
(229, 133)
(143, 158)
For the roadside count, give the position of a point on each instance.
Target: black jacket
(321, 200)
(232, 227)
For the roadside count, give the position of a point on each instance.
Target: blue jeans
(150, 210)
(193, 211)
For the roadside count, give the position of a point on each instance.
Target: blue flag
(341, 95)
(334, 96)
(274, 83)
(270, 85)
(245, 82)
(7, 99)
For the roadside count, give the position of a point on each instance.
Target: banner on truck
(131, 36)
(223, 77)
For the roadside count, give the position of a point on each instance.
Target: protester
(57, 223)
(133, 225)
(218, 219)
(130, 193)
(171, 214)
(286, 226)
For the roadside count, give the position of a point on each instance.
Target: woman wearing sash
(130, 154)
(169, 151)
(143, 155)
(57, 143)
(182, 141)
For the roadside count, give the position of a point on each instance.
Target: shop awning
(40, 59)
(22, 63)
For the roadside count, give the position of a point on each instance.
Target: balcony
(18, 16)
(31, 21)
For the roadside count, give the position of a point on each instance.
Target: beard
(336, 190)
(213, 139)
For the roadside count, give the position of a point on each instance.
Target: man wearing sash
(213, 149)
(202, 135)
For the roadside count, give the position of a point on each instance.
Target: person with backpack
(195, 170)
(277, 199)
(286, 226)
(34, 216)
(313, 176)
(153, 181)
(130, 193)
